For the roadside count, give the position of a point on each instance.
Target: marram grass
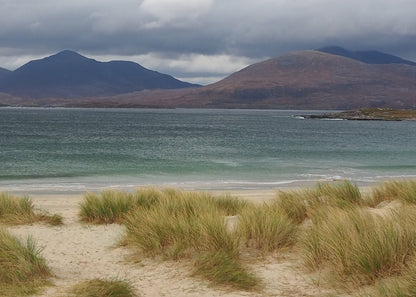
(399, 286)
(22, 270)
(112, 206)
(359, 245)
(222, 268)
(191, 225)
(293, 204)
(331, 226)
(103, 288)
(266, 228)
(403, 190)
(109, 207)
(20, 210)
(178, 226)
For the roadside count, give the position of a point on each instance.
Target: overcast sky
(201, 40)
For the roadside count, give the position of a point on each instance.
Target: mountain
(316, 80)
(71, 75)
(369, 57)
(4, 72)
(299, 80)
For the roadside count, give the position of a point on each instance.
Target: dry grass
(191, 225)
(266, 228)
(293, 204)
(401, 286)
(331, 225)
(22, 270)
(20, 210)
(103, 288)
(403, 190)
(359, 245)
(109, 207)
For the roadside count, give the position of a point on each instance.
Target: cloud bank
(201, 40)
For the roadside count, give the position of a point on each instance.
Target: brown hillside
(312, 79)
(300, 80)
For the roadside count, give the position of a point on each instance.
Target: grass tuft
(340, 194)
(403, 190)
(191, 225)
(103, 288)
(20, 210)
(22, 269)
(360, 245)
(110, 207)
(401, 286)
(266, 228)
(220, 267)
(228, 205)
(293, 204)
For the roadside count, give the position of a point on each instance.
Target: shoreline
(71, 188)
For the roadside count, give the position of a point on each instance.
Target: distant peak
(369, 57)
(65, 55)
(68, 53)
(333, 49)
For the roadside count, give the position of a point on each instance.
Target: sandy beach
(77, 251)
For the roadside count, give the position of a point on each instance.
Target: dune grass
(191, 225)
(20, 210)
(299, 205)
(266, 228)
(221, 268)
(293, 204)
(103, 288)
(400, 286)
(340, 194)
(403, 190)
(359, 245)
(22, 270)
(331, 226)
(109, 207)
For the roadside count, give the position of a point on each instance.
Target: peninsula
(370, 114)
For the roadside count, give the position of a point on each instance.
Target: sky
(201, 41)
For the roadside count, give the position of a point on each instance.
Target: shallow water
(74, 150)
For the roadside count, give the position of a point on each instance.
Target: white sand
(77, 252)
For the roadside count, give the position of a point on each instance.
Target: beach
(78, 251)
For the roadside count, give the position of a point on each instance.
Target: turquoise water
(90, 149)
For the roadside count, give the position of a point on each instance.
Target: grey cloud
(169, 28)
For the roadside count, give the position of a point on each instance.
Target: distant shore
(369, 114)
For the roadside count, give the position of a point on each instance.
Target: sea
(65, 150)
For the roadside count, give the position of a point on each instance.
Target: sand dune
(77, 251)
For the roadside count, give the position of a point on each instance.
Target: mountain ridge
(369, 57)
(299, 80)
(68, 74)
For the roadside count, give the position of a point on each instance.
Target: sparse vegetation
(191, 225)
(403, 190)
(22, 270)
(401, 286)
(221, 268)
(266, 228)
(110, 207)
(340, 194)
(333, 226)
(103, 288)
(293, 204)
(360, 245)
(20, 210)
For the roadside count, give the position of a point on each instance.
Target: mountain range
(71, 75)
(327, 78)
